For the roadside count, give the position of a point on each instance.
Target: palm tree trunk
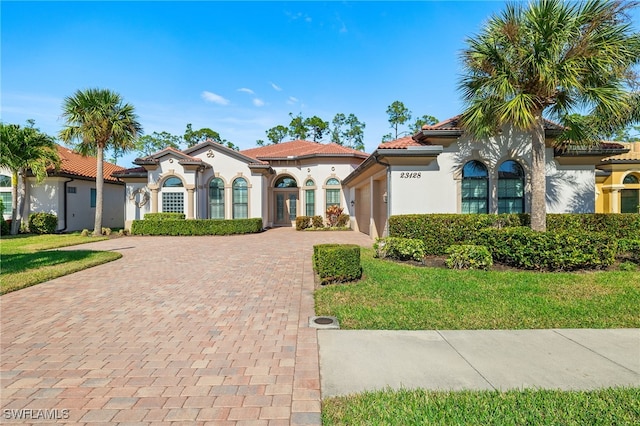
(15, 225)
(97, 225)
(538, 177)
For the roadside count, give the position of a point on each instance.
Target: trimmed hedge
(628, 248)
(196, 227)
(550, 251)
(400, 248)
(164, 216)
(619, 225)
(337, 262)
(43, 223)
(303, 222)
(468, 256)
(439, 231)
(317, 221)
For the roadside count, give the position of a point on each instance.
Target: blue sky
(238, 68)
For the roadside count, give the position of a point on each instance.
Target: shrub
(400, 248)
(439, 231)
(628, 266)
(629, 248)
(43, 223)
(164, 216)
(552, 251)
(468, 256)
(302, 223)
(84, 233)
(342, 221)
(619, 225)
(337, 262)
(317, 222)
(196, 227)
(5, 229)
(333, 214)
(106, 231)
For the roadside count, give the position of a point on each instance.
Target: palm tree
(550, 58)
(24, 149)
(98, 119)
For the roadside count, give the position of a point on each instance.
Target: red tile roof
(300, 148)
(74, 164)
(401, 143)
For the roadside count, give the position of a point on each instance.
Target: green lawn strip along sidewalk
(25, 261)
(614, 406)
(394, 296)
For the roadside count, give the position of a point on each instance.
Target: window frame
(235, 204)
(501, 188)
(471, 201)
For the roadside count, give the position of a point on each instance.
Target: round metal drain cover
(324, 323)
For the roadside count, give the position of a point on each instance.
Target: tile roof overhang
(384, 156)
(300, 149)
(74, 165)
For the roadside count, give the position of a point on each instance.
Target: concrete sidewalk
(570, 359)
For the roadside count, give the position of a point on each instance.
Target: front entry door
(286, 207)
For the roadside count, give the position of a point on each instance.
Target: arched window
(310, 198)
(510, 187)
(216, 199)
(5, 193)
(240, 199)
(332, 195)
(173, 195)
(286, 182)
(630, 195)
(475, 188)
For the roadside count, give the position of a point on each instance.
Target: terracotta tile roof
(74, 164)
(401, 143)
(300, 148)
(633, 156)
(453, 123)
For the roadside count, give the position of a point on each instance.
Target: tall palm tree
(550, 58)
(97, 119)
(24, 149)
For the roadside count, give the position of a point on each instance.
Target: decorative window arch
(310, 197)
(285, 181)
(630, 195)
(332, 192)
(510, 187)
(240, 198)
(5, 192)
(216, 198)
(475, 187)
(173, 195)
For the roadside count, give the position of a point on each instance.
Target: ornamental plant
(333, 215)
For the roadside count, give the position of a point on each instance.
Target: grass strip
(25, 263)
(613, 406)
(395, 296)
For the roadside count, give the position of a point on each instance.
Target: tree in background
(194, 137)
(298, 128)
(149, 144)
(348, 131)
(398, 115)
(98, 119)
(550, 57)
(277, 134)
(429, 120)
(317, 127)
(24, 149)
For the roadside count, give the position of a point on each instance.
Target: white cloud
(276, 87)
(212, 97)
(292, 100)
(258, 102)
(245, 90)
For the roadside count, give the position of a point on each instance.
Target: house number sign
(410, 175)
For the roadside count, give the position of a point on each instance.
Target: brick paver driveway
(191, 330)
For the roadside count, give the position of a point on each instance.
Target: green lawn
(618, 406)
(29, 259)
(397, 296)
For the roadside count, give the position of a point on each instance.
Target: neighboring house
(442, 170)
(276, 182)
(618, 182)
(70, 193)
